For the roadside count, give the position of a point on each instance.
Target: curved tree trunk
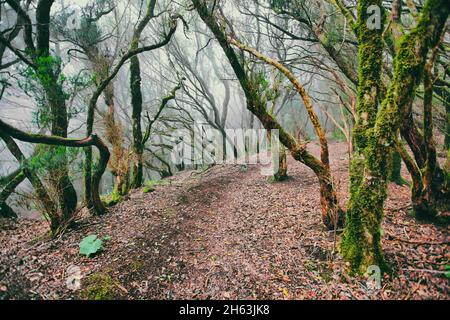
(331, 212)
(433, 190)
(8, 131)
(49, 207)
(48, 77)
(281, 173)
(14, 180)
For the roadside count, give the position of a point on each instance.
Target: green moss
(148, 189)
(361, 240)
(112, 199)
(370, 60)
(375, 134)
(99, 287)
(183, 199)
(395, 174)
(137, 265)
(360, 243)
(278, 178)
(151, 185)
(356, 177)
(44, 236)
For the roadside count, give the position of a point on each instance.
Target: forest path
(225, 233)
(250, 236)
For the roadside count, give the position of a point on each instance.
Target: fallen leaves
(226, 234)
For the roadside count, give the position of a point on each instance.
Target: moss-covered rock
(111, 199)
(99, 287)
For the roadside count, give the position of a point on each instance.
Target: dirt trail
(223, 233)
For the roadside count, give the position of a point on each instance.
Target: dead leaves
(234, 236)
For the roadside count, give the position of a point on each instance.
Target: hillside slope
(222, 233)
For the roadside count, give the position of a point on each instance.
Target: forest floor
(224, 233)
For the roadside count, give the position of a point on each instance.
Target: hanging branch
(300, 89)
(164, 102)
(104, 83)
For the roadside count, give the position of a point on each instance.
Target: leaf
(90, 245)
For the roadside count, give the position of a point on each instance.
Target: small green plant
(90, 245)
(150, 185)
(148, 189)
(112, 199)
(183, 199)
(447, 271)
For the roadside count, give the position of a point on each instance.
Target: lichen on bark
(361, 238)
(361, 243)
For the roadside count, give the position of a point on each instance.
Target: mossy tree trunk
(64, 187)
(279, 162)
(424, 200)
(361, 243)
(55, 97)
(396, 169)
(430, 188)
(136, 103)
(281, 171)
(137, 174)
(442, 88)
(361, 239)
(416, 142)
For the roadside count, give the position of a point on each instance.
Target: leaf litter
(225, 233)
